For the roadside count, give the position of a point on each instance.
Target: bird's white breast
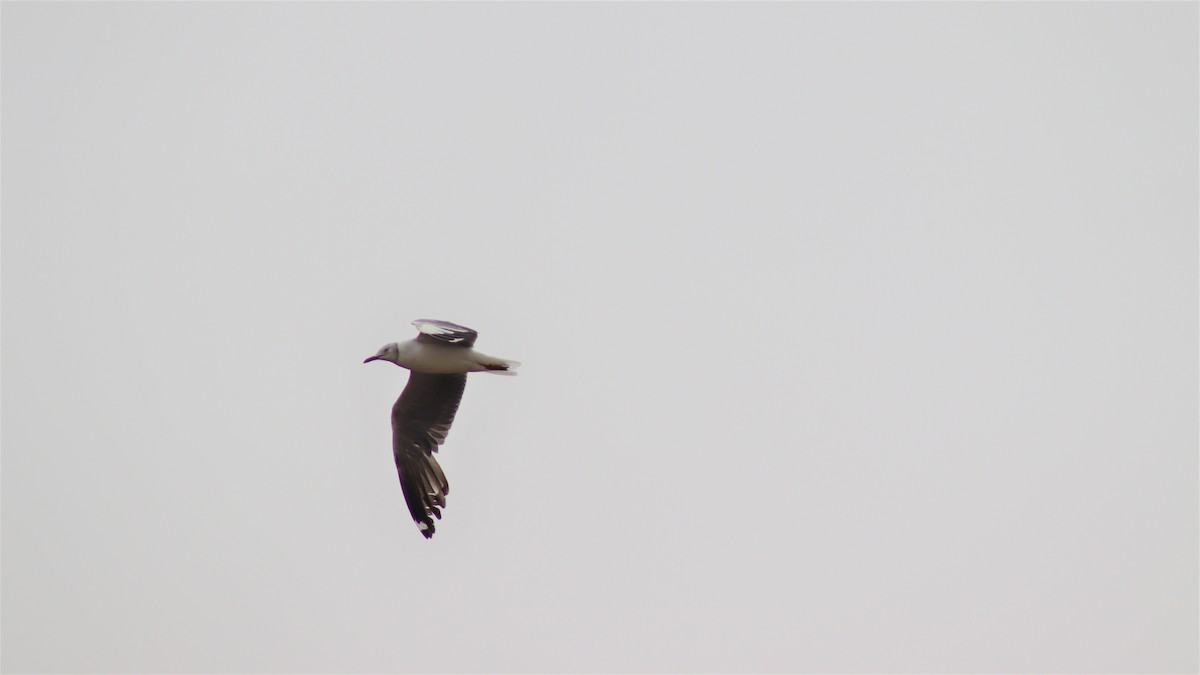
(435, 358)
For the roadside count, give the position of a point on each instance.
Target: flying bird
(438, 359)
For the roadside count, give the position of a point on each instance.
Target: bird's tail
(501, 366)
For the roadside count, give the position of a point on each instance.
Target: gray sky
(855, 338)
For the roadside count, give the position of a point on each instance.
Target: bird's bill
(373, 358)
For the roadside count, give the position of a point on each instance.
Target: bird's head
(388, 352)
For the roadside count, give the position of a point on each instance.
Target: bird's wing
(421, 419)
(444, 332)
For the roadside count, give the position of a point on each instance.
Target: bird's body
(439, 358)
(427, 356)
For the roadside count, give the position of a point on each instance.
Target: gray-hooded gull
(439, 359)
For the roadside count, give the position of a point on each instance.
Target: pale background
(856, 337)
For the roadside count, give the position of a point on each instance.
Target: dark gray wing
(444, 332)
(421, 419)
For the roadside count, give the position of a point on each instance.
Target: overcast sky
(855, 337)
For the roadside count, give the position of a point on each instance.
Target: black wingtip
(425, 527)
